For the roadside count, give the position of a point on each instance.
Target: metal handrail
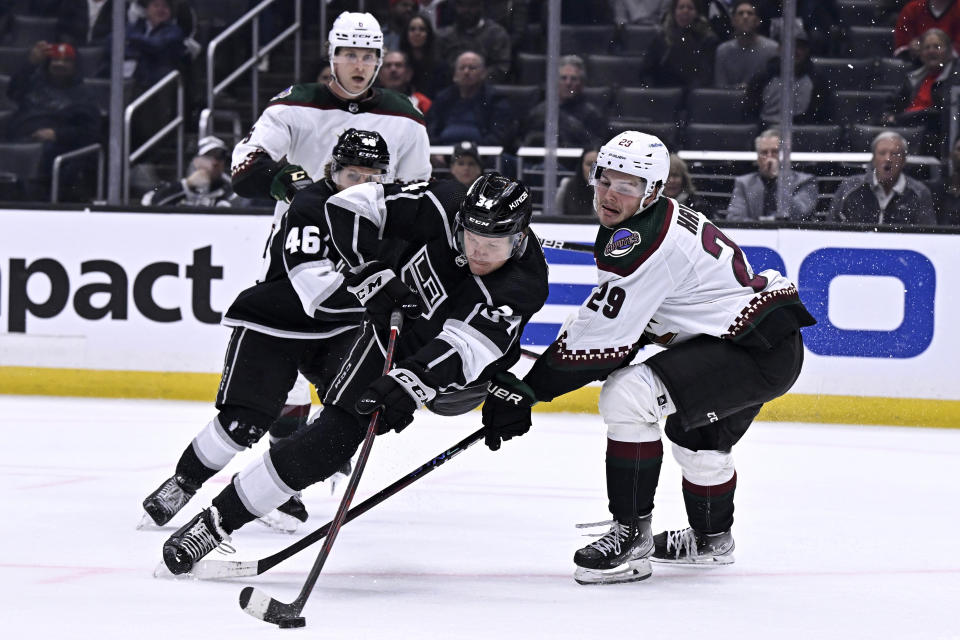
(207, 116)
(256, 52)
(176, 123)
(70, 155)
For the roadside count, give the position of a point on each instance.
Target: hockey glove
(397, 395)
(506, 411)
(288, 180)
(379, 289)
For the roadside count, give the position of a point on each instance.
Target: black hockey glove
(379, 289)
(288, 180)
(506, 411)
(397, 394)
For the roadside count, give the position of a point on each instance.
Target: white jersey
(668, 274)
(303, 123)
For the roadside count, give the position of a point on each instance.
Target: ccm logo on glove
(413, 385)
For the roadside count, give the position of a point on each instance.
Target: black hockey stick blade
(566, 245)
(213, 569)
(287, 615)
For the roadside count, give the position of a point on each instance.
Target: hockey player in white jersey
(289, 145)
(667, 276)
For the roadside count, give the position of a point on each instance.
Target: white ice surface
(842, 532)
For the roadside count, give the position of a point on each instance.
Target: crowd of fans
(466, 65)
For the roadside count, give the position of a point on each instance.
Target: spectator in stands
(473, 32)
(85, 23)
(639, 11)
(394, 26)
(917, 16)
(755, 194)
(679, 186)
(470, 109)
(924, 96)
(575, 195)
(682, 53)
(719, 14)
(319, 71)
(512, 15)
(155, 44)
(946, 191)
(53, 105)
(884, 194)
(813, 100)
(580, 122)
(396, 73)
(465, 163)
(747, 54)
(430, 73)
(207, 185)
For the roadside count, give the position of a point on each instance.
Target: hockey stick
(566, 245)
(211, 569)
(287, 615)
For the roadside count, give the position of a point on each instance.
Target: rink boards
(129, 304)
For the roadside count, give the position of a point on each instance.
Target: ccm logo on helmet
(516, 203)
(504, 394)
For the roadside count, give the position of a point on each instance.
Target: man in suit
(755, 194)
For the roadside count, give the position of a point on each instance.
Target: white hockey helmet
(638, 154)
(355, 30)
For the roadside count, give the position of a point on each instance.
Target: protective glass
(349, 176)
(486, 248)
(633, 187)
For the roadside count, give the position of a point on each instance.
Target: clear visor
(480, 248)
(349, 176)
(367, 58)
(623, 184)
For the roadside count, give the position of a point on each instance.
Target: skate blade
(633, 571)
(699, 563)
(163, 573)
(279, 522)
(147, 524)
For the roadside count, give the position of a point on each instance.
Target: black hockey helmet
(496, 207)
(359, 148)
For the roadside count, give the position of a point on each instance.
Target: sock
(633, 471)
(710, 509)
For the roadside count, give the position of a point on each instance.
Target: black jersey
(471, 325)
(299, 295)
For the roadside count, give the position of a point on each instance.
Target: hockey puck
(292, 623)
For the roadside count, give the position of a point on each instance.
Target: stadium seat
(861, 135)
(531, 68)
(859, 107)
(522, 97)
(12, 58)
(613, 70)
(648, 104)
(91, 59)
(668, 132)
(19, 166)
(720, 137)
(870, 42)
(715, 105)
(858, 12)
(583, 39)
(890, 72)
(5, 102)
(845, 73)
(600, 97)
(27, 30)
(817, 137)
(635, 39)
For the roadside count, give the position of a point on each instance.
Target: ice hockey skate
(690, 547)
(169, 498)
(287, 517)
(620, 555)
(194, 540)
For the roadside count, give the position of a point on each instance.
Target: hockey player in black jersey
(471, 272)
(669, 276)
(297, 318)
